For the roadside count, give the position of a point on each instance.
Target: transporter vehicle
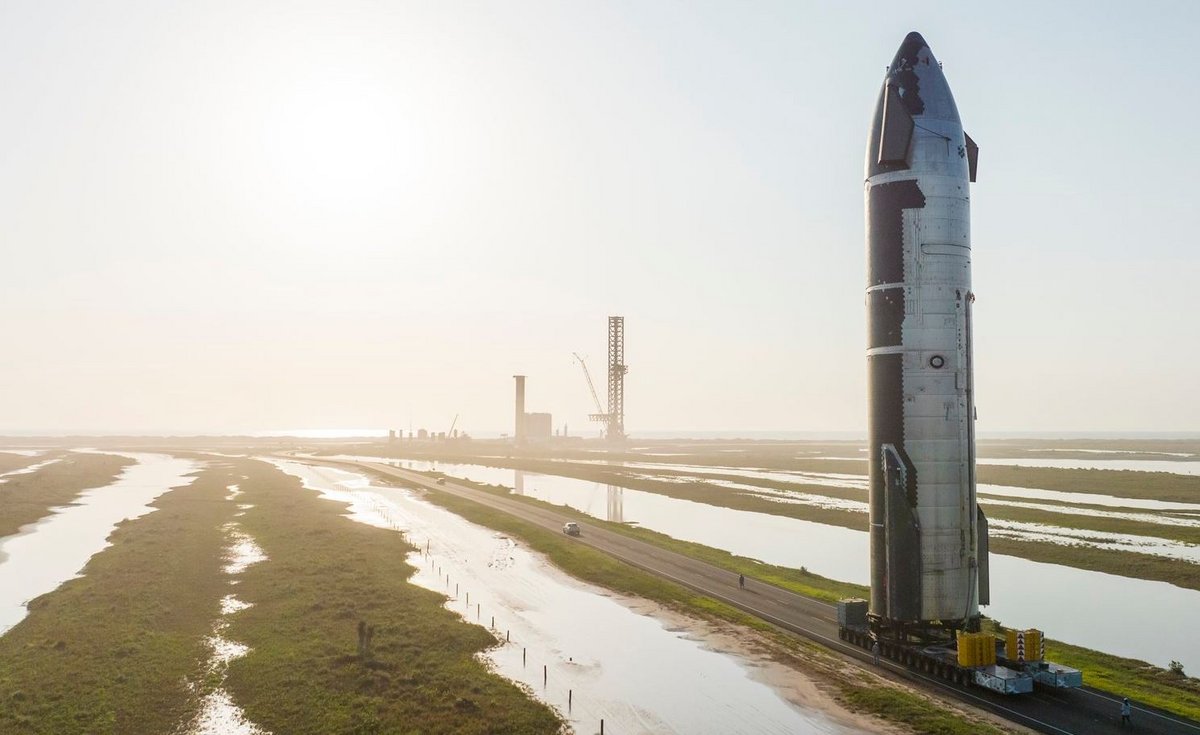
(571, 528)
(1009, 666)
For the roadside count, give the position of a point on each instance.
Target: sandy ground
(796, 687)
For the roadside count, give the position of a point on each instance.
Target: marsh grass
(324, 574)
(1125, 677)
(28, 498)
(111, 651)
(10, 462)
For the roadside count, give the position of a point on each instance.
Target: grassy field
(1164, 486)
(1126, 677)
(324, 574)
(1123, 563)
(888, 702)
(29, 497)
(1123, 526)
(10, 462)
(110, 652)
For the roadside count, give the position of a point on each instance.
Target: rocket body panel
(921, 410)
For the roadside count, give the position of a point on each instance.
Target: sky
(232, 216)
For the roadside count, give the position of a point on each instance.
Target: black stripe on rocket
(895, 535)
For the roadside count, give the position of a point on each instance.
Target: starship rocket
(928, 536)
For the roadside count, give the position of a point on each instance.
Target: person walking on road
(742, 581)
(875, 652)
(1126, 712)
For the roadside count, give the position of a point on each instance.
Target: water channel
(612, 659)
(55, 549)
(1086, 608)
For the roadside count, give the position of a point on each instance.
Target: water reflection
(589, 642)
(1085, 608)
(616, 504)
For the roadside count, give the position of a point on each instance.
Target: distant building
(391, 435)
(538, 426)
(422, 434)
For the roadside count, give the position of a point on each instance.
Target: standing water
(1081, 607)
(602, 660)
(55, 549)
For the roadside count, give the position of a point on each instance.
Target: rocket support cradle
(928, 537)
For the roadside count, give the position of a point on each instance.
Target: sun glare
(339, 137)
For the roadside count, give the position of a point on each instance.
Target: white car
(571, 529)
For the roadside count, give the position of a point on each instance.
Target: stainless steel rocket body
(928, 538)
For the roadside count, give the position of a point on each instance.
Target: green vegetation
(1123, 526)
(1124, 563)
(29, 497)
(880, 698)
(1164, 449)
(919, 713)
(110, 652)
(1153, 685)
(1125, 677)
(325, 574)
(1120, 483)
(1166, 689)
(10, 462)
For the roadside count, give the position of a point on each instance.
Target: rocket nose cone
(910, 50)
(917, 77)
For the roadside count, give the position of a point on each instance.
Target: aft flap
(972, 156)
(981, 551)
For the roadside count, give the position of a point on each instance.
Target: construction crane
(599, 415)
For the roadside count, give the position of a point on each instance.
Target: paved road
(1074, 712)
